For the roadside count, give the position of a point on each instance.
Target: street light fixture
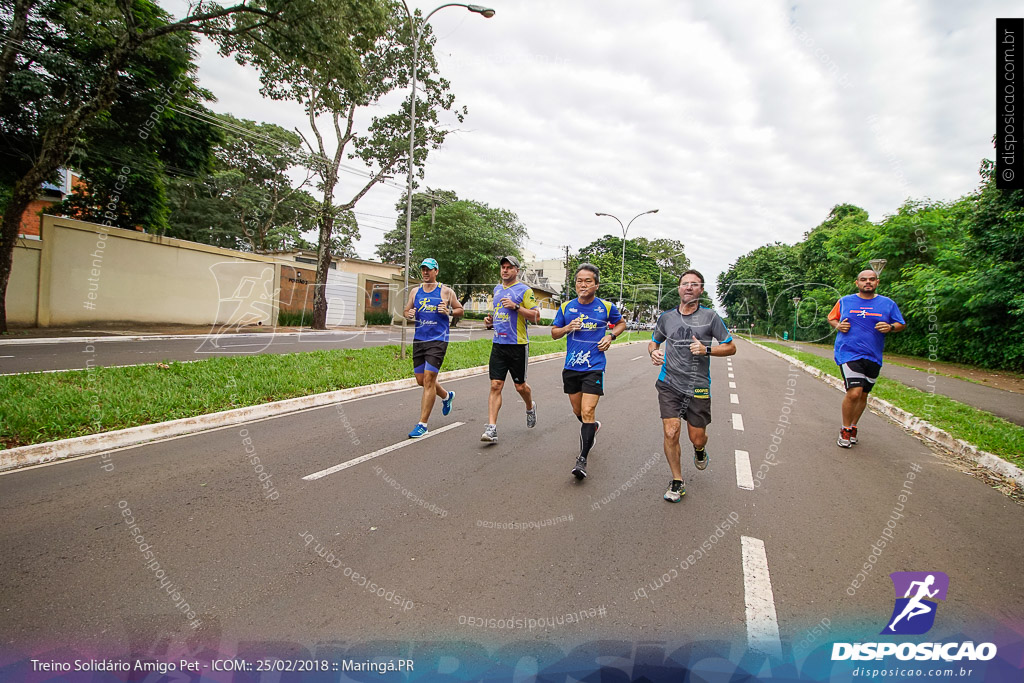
(416, 32)
(877, 264)
(796, 315)
(622, 269)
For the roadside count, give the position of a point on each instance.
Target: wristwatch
(707, 350)
(517, 307)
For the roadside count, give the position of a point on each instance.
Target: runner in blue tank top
(429, 305)
(592, 325)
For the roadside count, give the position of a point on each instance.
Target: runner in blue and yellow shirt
(514, 307)
(592, 325)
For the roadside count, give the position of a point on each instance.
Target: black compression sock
(580, 418)
(587, 432)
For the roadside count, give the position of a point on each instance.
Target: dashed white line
(637, 358)
(734, 398)
(744, 479)
(762, 621)
(732, 385)
(737, 422)
(731, 376)
(371, 456)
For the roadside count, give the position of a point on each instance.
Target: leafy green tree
(645, 262)
(392, 246)
(467, 238)
(65, 64)
(248, 202)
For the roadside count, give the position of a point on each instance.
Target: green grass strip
(983, 429)
(49, 406)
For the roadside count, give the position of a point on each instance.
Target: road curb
(920, 427)
(51, 451)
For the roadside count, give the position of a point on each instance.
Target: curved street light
(622, 268)
(416, 32)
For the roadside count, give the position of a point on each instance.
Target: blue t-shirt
(430, 325)
(509, 326)
(581, 352)
(863, 341)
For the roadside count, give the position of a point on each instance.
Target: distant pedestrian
(861, 321)
(592, 324)
(684, 385)
(514, 306)
(430, 306)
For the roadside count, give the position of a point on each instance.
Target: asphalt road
(425, 522)
(58, 354)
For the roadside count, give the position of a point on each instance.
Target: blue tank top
(430, 325)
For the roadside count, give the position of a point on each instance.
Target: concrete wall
(23, 287)
(92, 273)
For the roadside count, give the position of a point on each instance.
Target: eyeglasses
(690, 284)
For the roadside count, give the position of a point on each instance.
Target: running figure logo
(914, 612)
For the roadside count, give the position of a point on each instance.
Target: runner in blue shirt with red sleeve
(592, 325)
(861, 322)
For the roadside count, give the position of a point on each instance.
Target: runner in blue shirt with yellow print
(592, 324)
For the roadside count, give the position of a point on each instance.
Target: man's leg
(858, 407)
(698, 436)
(525, 392)
(494, 401)
(431, 388)
(850, 402)
(671, 427)
(576, 401)
(588, 405)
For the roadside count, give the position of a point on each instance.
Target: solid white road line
(732, 385)
(737, 422)
(762, 622)
(734, 398)
(371, 456)
(744, 479)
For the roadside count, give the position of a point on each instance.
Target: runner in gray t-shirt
(684, 385)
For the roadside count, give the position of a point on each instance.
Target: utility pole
(565, 287)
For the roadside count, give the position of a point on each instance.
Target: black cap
(510, 259)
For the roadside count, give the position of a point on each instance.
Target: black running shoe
(580, 471)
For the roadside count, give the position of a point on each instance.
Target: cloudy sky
(743, 122)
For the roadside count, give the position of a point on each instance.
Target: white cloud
(743, 122)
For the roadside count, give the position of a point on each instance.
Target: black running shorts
(860, 373)
(509, 359)
(586, 382)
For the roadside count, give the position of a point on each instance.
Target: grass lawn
(49, 406)
(983, 429)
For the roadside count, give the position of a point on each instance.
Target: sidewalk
(1005, 403)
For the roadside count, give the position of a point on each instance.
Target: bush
(294, 318)
(475, 315)
(377, 318)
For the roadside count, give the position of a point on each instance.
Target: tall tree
(249, 200)
(383, 147)
(65, 63)
(392, 246)
(467, 238)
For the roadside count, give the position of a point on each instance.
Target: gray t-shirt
(688, 374)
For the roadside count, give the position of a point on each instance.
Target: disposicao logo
(913, 614)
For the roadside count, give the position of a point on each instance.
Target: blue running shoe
(446, 403)
(418, 431)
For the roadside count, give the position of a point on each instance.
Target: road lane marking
(637, 358)
(734, 398)
(732, 376)
(744, 479)
(371, 456)
(737, 422)
(762, 622)
(732, 385)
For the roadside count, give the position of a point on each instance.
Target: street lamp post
(796, 315)
(416, 31)
(622, 269)
(660, 270)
